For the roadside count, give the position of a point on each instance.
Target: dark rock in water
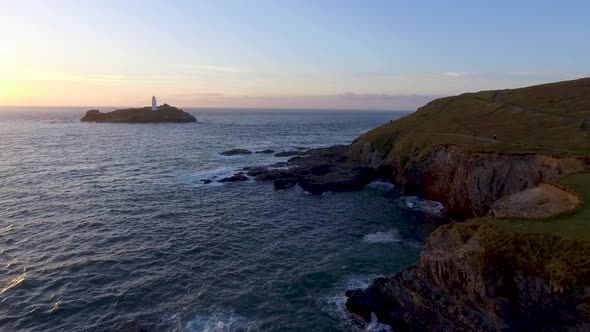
(206, 181)
(284, 183)
(273, 174)
(479, 276)
(164, 113)
(267, 151)
(339, 180)
(289, 153)
(235, 178)
(234, 152)
(255, 171)
(319, 170)
(281, 164)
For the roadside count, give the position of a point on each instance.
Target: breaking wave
(389, 236)
(221, 322)
(424, 205)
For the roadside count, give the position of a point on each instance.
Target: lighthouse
(154, 104)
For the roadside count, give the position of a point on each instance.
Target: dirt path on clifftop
(491, 140)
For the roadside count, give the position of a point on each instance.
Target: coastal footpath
(163, 113)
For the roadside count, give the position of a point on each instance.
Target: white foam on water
(221, 322)
(210, 174)
(381, 185)
(334, 303)
(389, 236)
(375, 326)
(424, 205)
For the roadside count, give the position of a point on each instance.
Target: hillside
(552, 119)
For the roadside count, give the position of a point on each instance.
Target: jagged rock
(340, 180)
(284, 183)
(267, 151)
(235, 152)
(289, 153)
(235, 178)
(320, 170)
(255, 171)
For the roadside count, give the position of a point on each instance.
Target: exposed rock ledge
(164, 113)
(467, 183)
(476, 276)
(542, 201)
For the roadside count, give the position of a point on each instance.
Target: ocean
(108, 227)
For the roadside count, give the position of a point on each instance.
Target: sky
(340, 54)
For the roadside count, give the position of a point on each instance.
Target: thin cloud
(454, 74)
(348, 100)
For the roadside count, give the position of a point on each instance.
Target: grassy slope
(552, 119)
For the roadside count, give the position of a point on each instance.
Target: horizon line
(217, 108)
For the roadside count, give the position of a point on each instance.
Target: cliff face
(476, 276)
(467, 183)
(164, 113)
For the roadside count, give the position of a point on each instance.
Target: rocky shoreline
(465, 279)
(315, 170)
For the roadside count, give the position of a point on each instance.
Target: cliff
(468, 152)
(467, 183)
(479, 276)
(164, 113)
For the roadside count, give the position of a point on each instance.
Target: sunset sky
(293, 54)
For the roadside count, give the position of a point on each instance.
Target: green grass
(552, 119)
(573, 225)
(560, 261)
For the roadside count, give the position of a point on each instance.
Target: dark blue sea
(107, 227)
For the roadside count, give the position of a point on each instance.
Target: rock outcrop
(164, 113)
(315, 171)
(467, 183)
(235, 152)
(478, 276)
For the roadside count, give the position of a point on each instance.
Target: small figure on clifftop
(494, 137)
(475, 133)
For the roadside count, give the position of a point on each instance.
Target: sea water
(108, 227)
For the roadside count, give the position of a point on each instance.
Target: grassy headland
(552, 119)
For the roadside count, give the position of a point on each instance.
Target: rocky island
(511, 168)
(163, 113)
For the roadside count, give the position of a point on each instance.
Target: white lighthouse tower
(154, 104)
